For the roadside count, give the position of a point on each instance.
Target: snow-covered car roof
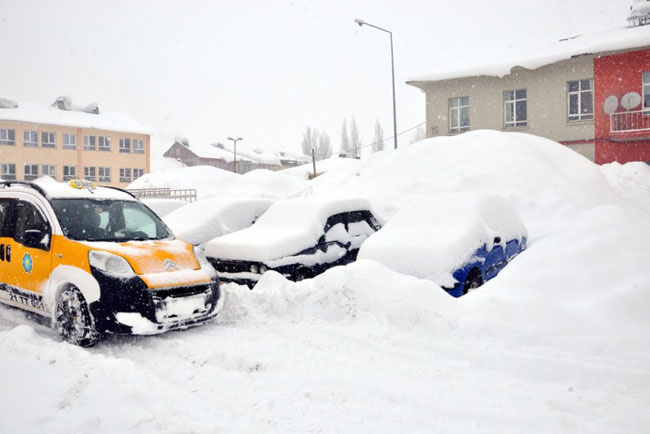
(432, 237)
(64, 190)
(288, 227)
(204, 220)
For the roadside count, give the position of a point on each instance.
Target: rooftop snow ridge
(622, 38)
(63, 112)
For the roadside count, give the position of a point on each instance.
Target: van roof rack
(33, 185)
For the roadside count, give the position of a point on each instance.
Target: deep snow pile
(433, 236)
(213, 182)
(201, 221)
(557, 342)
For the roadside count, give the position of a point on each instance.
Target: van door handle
(8, 252)
(2, 252)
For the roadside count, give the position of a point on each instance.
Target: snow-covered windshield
(108, 220)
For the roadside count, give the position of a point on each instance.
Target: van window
(28, 217)
(4, 218)
(108, 220)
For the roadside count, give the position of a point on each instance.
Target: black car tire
(73, 320)
(473, 280)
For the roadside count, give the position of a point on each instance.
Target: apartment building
(66, 142)
(589, 92)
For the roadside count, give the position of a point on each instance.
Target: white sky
(264, 70)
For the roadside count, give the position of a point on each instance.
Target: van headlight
(110, 263)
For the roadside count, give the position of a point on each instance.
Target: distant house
(589, 92)
(68, 142)
(223, 157)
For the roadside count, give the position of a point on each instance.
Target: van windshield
(108, 220)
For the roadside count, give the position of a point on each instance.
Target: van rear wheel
(473, 281)
(73, 320)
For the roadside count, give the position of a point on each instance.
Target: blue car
(458, 240)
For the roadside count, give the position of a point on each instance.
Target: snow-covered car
(95, 260)
(298, 238)
(201, 221)
(457, 240)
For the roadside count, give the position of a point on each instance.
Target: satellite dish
(631, 100)
(611, 104)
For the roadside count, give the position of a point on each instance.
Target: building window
(580, 99)
(104, 174)
(69, 141)
(125, 145)
(138, 146)
(90, 173)
(49, 170)
(516, 108)
(9, 172)
(7, 136)
(645, 78)
(125, 175)
(89, 143)
(104, 143)
(137, 173)
(30, 138)
(31, 172)
(459, 114)
(48, 140)
(69, 172)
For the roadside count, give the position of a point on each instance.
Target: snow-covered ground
(557, 342)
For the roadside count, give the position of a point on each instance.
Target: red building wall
(619, 74)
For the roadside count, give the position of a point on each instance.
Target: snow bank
(631, 181)
(213, 182)
(331, 164)
(162, 207)
(201, 221)
(432, 237)
(546, 183)
(288, 227)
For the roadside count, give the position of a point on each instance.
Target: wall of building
(19, 154)
(618, 74)
(546, 88)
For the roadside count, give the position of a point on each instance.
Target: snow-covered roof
(609, 40)
(63, 190)
(288, 227)
(639, 9)
(46, 114)
(225, 152)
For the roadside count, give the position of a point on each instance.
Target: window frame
(48, 143)
(139, 149)
(580, 116)
(90, 173)
(90, 143)
(645, 92)
(8, 175)
(515, 123)
(456, 106)
(30, 143)
(72, 173)
(104, 174)
(69, 141)
(107, 143)
(48, 172)
(123, 172)
(123, 145)
(8, 136)
(30, 176)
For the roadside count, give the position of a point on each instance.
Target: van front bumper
(129, 306)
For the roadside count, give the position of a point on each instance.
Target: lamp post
(235, 150)
(360, 22)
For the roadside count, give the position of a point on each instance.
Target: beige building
(67, 143)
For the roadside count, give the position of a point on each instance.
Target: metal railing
(630, 121)
(184, 194)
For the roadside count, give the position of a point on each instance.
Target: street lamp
(235, 150)
(360, 22)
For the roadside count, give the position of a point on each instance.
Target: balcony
(629, 122)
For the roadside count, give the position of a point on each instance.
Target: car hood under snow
(287, 228)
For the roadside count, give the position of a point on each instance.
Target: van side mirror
(33, 238)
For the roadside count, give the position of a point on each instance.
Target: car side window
(28, 218)
(4, 217)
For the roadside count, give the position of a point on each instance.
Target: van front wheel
(73, 321)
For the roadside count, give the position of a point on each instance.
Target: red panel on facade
(625, 135)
